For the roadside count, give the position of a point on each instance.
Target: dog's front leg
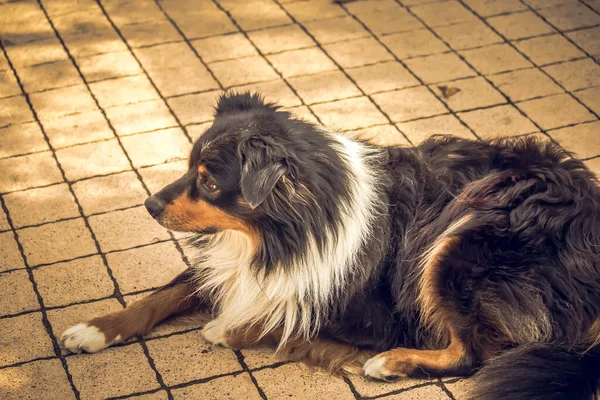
(139, 318)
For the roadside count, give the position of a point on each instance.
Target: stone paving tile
(110, 65)
(226, 47)
(498, 121)
(91, 159)
(354, 53)
(22, 139)
(408, 104)
(583, 139)
(591, 98)
(35, 53)
(382, 77)
(61, 102)
(555, 111)
(56, 242)
(389, 20)
(41, 205)
(229, 387)
(49, 76)
(36, 380)
(587, 39)
(374, 69)
(10, 258)
(417, 43)
(349, 114)
(14, 110)
(73, 281)
(156, 147)
(525, 84)
(419, 130)
(29, 171)
(570, 16)
(17, 293)
(474, 93)
(549, 49)
(133, 118)
(23, 338)
(495, 59)
(301, 62)
(298, 381)
(276, 91)
(8, 84)
(124, 229)
(575, 75)
(108, 193)
(112, 372)
(118, 92)
(439, 67)
(369, 388)
(488, 8)
(78, 128)
(384, 135)
(324, 86)
(186, 357)
(129, 266)
(466, 35)
(520, 25)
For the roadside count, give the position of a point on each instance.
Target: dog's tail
(539, 371)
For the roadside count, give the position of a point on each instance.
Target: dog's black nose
(154, 206)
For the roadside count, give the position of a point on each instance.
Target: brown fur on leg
(335, 357)
(401, 362)
(140, 317)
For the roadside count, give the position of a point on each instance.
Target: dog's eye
(209, 185)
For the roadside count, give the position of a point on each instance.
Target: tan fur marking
(187, 215)
(429, 293)
(202, 169)
(140, 317)
(407, 362)
(593, 335)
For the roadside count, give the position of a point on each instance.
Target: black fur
(525, 275)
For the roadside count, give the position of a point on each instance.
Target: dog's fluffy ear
(262, 168)
(233, 102)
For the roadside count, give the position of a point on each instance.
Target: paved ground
(99, 104)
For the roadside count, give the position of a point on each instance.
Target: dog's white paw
(84, 337)
(375, 368)
(214, 333)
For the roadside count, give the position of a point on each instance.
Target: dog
(452, 258)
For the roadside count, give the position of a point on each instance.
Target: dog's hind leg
(455, 360)
(139, 318)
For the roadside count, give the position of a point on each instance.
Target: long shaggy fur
(491, 246)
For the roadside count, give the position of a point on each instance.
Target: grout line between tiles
(401, 62)
(463, 59)
(261, 54)
(318, 44)
(442, 386)
(508, 42)
(355, 393)
(45, 319)
(242, 362)
(117, 292)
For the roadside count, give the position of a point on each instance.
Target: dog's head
(259, 171)
(233, 167)
(281, 181)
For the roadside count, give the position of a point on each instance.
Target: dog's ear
(233, 102)
(262, 167)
